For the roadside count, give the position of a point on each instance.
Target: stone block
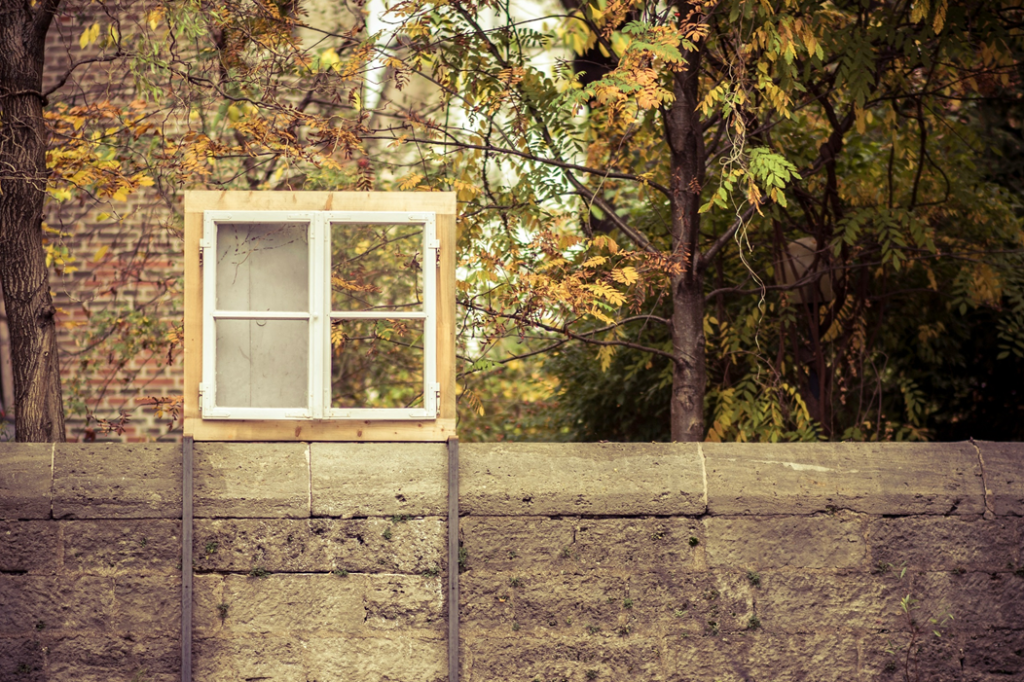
(549, 479)
(807, 603)
(251, 480)
(249, 657)
(676, 603)
(384, 659)
(379, 479)
(116, 481)
(995, 652)
(103, 657)
(35, 604)
(938, 543)
(639, 544)
(147, 603)
(741, 657)
(320, 545)
(883, 657)
(209, 610)
(296, 603)
(404, 602)
(754, 543)
(1004, 473)
(22, 659)
(122, 547)
(26, 471)
(541, 601)
(29, 547)
(507, 543)
(976, 600)
(528, 656)
(805, 478)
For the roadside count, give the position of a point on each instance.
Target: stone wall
(323, 562)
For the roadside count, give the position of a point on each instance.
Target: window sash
(319, 315)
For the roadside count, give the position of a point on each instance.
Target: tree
(725, 132)
(39, 415)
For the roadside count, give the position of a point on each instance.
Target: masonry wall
(323, 562)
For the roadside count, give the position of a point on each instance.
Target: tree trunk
(685, 139)
(39, 414)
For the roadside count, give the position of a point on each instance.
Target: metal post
(453, 559)
(186, 559)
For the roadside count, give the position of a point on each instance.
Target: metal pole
(186, 559)
(453, 559)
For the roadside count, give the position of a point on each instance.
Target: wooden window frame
(334, 424)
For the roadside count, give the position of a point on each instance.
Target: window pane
(376, 267)
(376, 363)
(262, 363)
(263, 266)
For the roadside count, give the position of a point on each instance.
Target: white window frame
(319, 316)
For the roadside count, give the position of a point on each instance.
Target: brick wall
(581, 562)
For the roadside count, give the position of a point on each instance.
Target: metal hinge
(435, 390)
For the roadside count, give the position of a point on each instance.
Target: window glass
(376, 267)
(262, 363)
(263, 266)
(376, 363)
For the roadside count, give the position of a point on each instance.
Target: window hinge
(435, 390)
(204, 244)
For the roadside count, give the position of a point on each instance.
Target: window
(320, 324)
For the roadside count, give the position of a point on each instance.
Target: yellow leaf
(89, 36)
(627, 275)
(155, 16)
(604, 354)
(144, 180)
(410, 181)
(100, 253)
(121, 194)
(593, 261)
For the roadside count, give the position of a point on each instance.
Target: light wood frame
(443, 204)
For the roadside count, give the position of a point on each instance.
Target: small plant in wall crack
(754, 623)
(222, 611)
(211, 548)
(340, 572)
(259, 572)
(915, 631)
(387, 534)
(515, 582)
(694, 541)
(432, 572)
(754, 578)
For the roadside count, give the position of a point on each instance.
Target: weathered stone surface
(541, 601)
(147, 603)
(547, 479)
(639, 544)
(209, 610)
(528, 656)
(379, 479)
(760, 656)
(999, 652)
(29, 547)
(808, 603)
(22, 659)
(251, 480)
(977, 601)
(25, 477)
(114, 480)
(101, 657)
(825, 541)
(249, 657)
(937, 543)
(37, 604)
(883, 657)
(675, 603)
(804, 478)
(122, 547)
(321, 545)
(384, 659)
(1004, 473)
(404, 602)
(507, 543)
(295, 603)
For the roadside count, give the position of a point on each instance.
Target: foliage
(635, 219)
